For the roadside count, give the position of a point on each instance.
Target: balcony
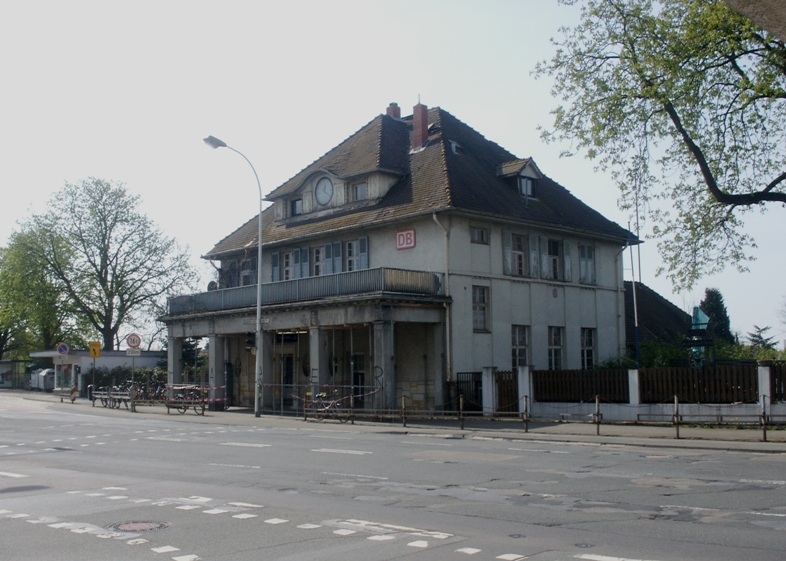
(367, 281)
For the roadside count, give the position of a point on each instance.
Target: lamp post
(214, 142)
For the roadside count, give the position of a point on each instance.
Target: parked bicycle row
(130, 395)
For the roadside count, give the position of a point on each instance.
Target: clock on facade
(324, 191)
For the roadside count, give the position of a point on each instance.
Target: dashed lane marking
(12, 475)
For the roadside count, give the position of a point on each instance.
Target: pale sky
(125, 91)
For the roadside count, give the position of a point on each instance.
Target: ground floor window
(556, 336)
(587, 348)
(519, 345)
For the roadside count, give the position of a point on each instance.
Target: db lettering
(405, 239)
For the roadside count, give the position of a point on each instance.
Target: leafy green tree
(683, 102)
(32, 306)
(113, 264)
(719, 325)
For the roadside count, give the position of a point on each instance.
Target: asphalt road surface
(89, 484)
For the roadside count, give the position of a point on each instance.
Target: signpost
(133, 340)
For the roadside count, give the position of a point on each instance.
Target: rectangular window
(359, 192)
(479, 235)
(519, 247)
(318, 255)
(247, 272)
(587, 348)
(519, 345)
(527, 186)
(554, 259)
(555, 347)
(480, 308)
(586, 263)
(296, 207)
(286, 266)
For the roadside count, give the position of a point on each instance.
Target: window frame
(481, 296)
(588, 347)
(519, 352)
(479, 235)
(587, 263)
(556, 338)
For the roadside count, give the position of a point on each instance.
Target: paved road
(86, 483)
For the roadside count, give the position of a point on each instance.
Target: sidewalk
(749, 439)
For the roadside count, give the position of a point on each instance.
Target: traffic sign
(133, 340)
(94, 349)
(62, 349)
(133, 352)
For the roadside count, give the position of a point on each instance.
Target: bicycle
(323, 406)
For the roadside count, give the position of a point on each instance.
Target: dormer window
(527, 186)
(359, 191)
(296, 207)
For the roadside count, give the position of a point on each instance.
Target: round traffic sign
(62, 349)
(134, 340)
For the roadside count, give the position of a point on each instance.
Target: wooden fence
(718, 384)
(580, 386)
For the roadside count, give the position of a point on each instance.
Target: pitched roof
(660, 321)
(457, 169)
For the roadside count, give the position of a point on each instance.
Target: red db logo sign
(405, 239)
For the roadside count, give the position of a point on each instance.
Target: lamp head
(214, 142)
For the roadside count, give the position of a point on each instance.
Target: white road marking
(245, 444)
(591, 557)
(339, 451)
(165, 549)
(12, 475)
(276, 521)
(418, 543)
(468, 550)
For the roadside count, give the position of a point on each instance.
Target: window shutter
(303, 262)
(296, 264)
(566, 257)
(507, 252)
(274, 263)
(545, 267)
(327, 261)
(363, 253)
(337, 264)
(534, 257)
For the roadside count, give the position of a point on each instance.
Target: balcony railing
(367, 281)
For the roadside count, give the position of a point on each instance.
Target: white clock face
(324, 191)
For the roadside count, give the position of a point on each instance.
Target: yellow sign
(95, 349)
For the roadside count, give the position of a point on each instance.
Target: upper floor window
(478, 235)
(332, 257)
(295, 207)
(527, 186)
(586, 263)
(480, 308)
(248, 272)
(520, 254)
(554, 259)
(358, 191)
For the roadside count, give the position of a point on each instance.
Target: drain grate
(138, 526)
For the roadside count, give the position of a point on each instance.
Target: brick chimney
(394, 111)
(419, 126)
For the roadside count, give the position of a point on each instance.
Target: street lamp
(214, 142)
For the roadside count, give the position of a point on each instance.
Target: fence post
(597, 415)
(404, 410)
(526, 413)
(676, 417)
(764, 418)
(461, 411)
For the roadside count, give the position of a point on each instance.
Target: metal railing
(367, 281)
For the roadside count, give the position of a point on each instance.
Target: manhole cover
(138, 526)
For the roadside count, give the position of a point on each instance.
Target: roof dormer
(524, 174)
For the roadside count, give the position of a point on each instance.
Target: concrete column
(319, 356)
(384, 358)
(437, 366)
(633, 387)
(267, 393)
(174, 360)
(489, 390)
(525, 387)
(216, 373)
(764, 383)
